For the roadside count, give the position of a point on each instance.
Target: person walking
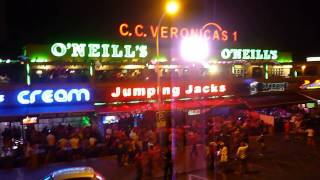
(223, 157)
(139, 165)
(168, 164)
(310, 137)
(242, 156)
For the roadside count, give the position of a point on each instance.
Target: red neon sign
(141, 92)
(212, 31)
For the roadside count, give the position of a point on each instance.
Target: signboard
(49, 96)
(29, 120)
(45, 96)
(249, 54)
(176, 91)
(256, 87)
(308, 85)
(212, 31)
(99, 50)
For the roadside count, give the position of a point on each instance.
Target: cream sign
(174, 91)
(249, 54)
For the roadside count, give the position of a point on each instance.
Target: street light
(171, 8)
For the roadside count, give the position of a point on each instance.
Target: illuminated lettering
(197, 89)
(236, 53)
(143, 51)
(58, 49)
(33, 95)
(116, 51)
(253, 54)
(189, 90)
(166, 90)
(93, 50)
(154, 31)
(21, 97)
(224, 35)
(222, 88)
(164, 32)
(78, 94)
(126, 92)
(47, 96)
(137, 30)
(105, 50)
(61, 95)
(248, 54)
(259, 55)
(206, 89)
(213, 88)
(184, 32)
(100, 50)
(128, 52)
(226, 54)
(2, 98)
(176, 91)
(216, 36)
(53, 96)
(210, 30)
(117, 93)
(78, 50)
(123, 29)
(173, 32)
(274, 54)
(139, 91)
(151, 92)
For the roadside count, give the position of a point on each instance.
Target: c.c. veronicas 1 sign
(211, 31)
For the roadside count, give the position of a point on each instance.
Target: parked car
(79, 173)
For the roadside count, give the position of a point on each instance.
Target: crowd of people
(225, 138)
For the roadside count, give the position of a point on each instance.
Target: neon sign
(1, 98)
(50, 96)
(175, 91)
(212, 31)
(99, 50)
(308, 85)
(247, 54)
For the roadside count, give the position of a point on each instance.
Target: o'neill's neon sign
(247, 54)
(212, 31)
(175, 91)
(99, 50)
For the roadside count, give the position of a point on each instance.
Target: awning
(167, 106)
(39, 110)
(312, 94)
(262, 101)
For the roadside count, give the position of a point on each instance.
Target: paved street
(283, 160)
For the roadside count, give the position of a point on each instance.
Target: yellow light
(213, 69)
(172, 7)
(303, 67)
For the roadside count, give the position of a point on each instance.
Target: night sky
(286, 25)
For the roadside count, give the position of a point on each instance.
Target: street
(282, 160)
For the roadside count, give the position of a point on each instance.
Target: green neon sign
(249, 54)
(99, 50)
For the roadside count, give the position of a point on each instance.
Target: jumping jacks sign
(148, 91)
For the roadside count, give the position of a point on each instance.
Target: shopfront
(46, 106)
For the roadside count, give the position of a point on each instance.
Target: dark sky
(286, 25)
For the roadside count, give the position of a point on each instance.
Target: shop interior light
(213, 69)
(194, 49)
(131, 66)
(313, 59)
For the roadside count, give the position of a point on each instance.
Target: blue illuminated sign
(1, 98)
(50, 96)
